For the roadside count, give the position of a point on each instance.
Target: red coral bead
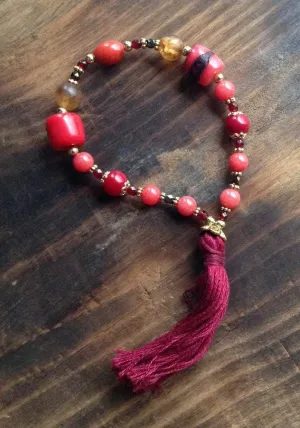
(114, 183)
(186, 205)
(65, 130)
(83, 162)
(150, 195)
(230, 198)
(214, 66)
(237, 123)
(224, 90)
(109, 53)
(238, 162)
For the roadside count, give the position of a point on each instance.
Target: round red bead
(150, 195)
(65, 130)
(238, 162)
(230, 198)
(224, 90)
(83, 162)
(237, 123)
(136, 44)
(114, 183)
(109, 53)
(186, 205)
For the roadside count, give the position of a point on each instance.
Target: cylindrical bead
(214, 67)
(65, 130)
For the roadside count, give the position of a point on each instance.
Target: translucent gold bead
(68, 96)
(170, 48)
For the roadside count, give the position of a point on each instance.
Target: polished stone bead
(237, 123)
(224, 90)
(230, 198)
(109, 53)
(114, 182)
(65, 130)
(238, 162)
(83, 162)
(150, 195)
(186, 205)
(170, 48)
(68, 96)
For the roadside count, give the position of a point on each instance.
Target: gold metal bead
(73, 151)
(125, 187)
(61, 110)
(74, 82)
(219, 77)
(239, 149)
(170, 48)
(104, 176)
(78, 69)
(157, 43)
(143, 42)
(93, 168)
(197, 211)
(139, 191)
(186, 50)
(234, 186)
(90, 58)
(127, 45)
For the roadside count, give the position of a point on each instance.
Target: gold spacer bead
(104, 176)
(219, 77)
(93, 168)
(90, 58)
(186, 50)
(239, 149)
(157, 43)
(73, 151)
(125, 187)
(139, 191)
(78, 69)
(197, 211)
(226, 210)
(234, 113)
(234, 186)
(74, 82)
(61, 110)
(127, 45)
(143, 42)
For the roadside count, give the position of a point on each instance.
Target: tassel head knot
(215, 227)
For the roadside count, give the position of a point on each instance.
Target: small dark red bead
(82, 64)
(239, 143)
(136, 44)
(132, 191)
(202, 216)
(98, 173)
(223, 216)
(233, 106)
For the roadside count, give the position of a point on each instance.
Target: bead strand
(66, 130)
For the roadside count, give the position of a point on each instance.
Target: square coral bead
(65, 130)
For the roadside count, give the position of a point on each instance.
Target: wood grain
(83, 274)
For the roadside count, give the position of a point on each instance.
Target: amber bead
(68, 96)
(170, 48)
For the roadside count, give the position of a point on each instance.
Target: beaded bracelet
(146, 367)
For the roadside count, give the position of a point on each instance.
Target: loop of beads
(66, 131)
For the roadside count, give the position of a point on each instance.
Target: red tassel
(187, 342)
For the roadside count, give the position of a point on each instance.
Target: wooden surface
(84, 274)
